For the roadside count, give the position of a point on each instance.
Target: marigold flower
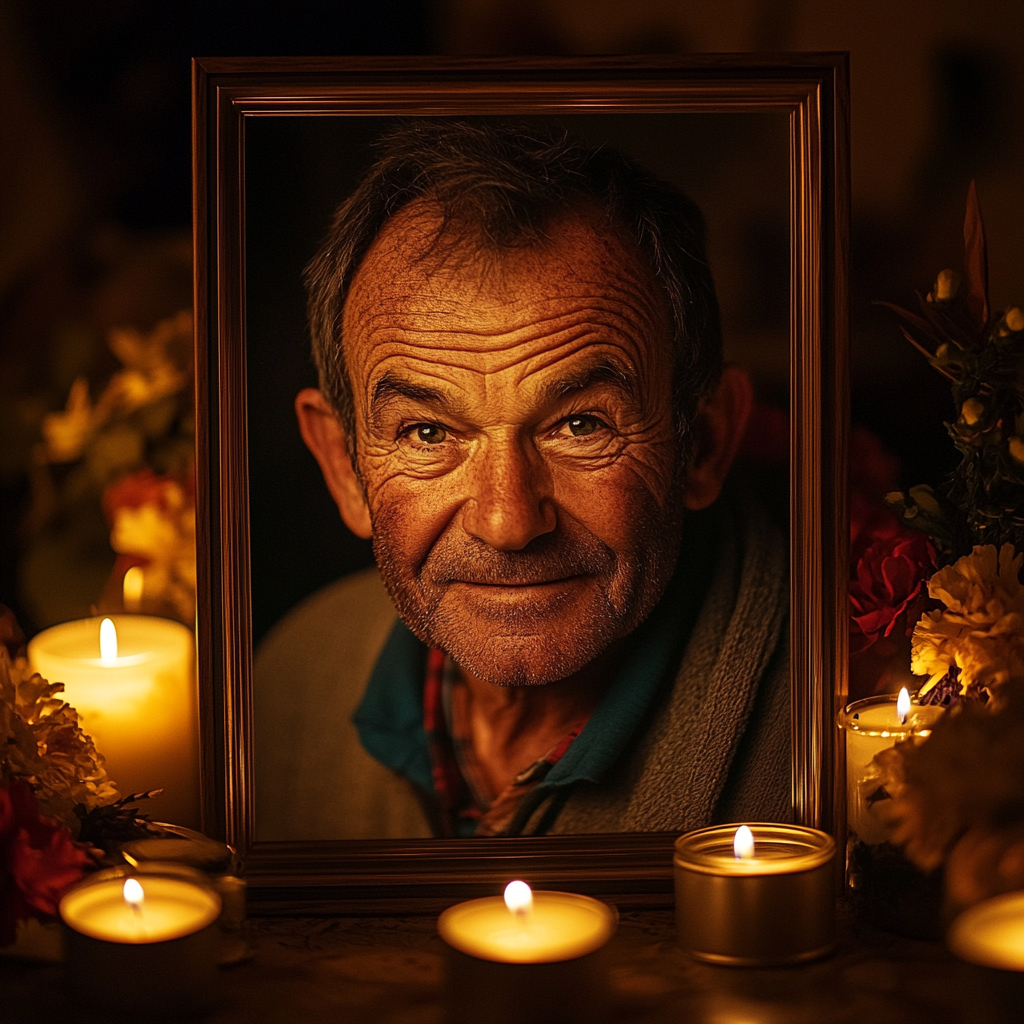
(981, 628)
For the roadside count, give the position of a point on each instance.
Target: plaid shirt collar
(402, 721)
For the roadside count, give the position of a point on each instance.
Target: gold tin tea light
(141, 941)
(527, 958)
(755, 895)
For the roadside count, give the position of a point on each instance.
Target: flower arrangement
(127, 456)
(949, 561)
(59, 811)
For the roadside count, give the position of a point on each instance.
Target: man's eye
(429, 433)
(580, 426)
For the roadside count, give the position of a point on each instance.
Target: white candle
(871, 726)
(555, 926)
(527, 958)
(138, 704)
(151, 908)
(143, 941)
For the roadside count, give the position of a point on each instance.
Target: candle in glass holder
(871, 726)
(991, 933)
(131, 679)
(141, 940)
(527, 957)
(755, 895)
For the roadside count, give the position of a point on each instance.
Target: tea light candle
(991, 933)
(136, 697)
(527, 956)
(152, 924)
(755, 895)
(871, 726)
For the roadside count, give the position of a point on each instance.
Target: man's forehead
(418, 259)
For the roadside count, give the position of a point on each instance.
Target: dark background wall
(95, 191)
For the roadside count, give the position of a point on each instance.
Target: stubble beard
(516, 643)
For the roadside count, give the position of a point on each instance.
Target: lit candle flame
(108, 642)
(743, 843)
(903, 705)
(133, 894)
(132, 588)
(518, 898)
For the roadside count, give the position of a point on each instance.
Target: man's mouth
(518, 583)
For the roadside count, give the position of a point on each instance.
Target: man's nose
(510, 500)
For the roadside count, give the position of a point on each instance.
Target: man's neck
(511, 727)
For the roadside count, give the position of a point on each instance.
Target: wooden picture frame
(632, 869)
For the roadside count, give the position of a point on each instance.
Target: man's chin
(522, 660)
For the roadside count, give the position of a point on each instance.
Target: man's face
(516, 443)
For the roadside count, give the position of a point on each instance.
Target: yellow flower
(1016, 445)
(981, 628)
(66, 433)
(1014, 318)
(971, 411)
(43, 743)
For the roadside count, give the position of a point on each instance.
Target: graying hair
(501, 184)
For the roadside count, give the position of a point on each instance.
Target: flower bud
(925, 498)
(1014, 318)
(1016, 445)
(971, 411)
(946, 285)
(942, 351)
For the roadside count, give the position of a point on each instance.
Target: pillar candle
(139, 706)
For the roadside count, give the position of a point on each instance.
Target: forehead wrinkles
(529, 307)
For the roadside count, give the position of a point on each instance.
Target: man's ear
(325, 438)
(718, 430)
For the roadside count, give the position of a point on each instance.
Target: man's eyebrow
(392, 386)
(605, 372)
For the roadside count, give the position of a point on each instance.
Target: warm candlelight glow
(115, 909)
(560, 926)
(743, 844)
(991, 933)
(903, 705)
(132, 588)
(135, 695)
(518, 898)
(108, 642)
(133, 893)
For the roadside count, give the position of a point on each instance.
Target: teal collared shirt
(389, 718)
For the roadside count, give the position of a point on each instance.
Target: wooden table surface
(389, 971)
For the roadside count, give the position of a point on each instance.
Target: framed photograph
(758, 143)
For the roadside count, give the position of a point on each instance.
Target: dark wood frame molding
(633, 869)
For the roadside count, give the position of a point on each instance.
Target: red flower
(891, 564)
(39, 860)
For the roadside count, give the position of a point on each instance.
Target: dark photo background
(95, 189)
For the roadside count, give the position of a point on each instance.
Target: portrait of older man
(577, 619)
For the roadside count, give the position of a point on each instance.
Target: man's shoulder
(314, 780)
(337, 621)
